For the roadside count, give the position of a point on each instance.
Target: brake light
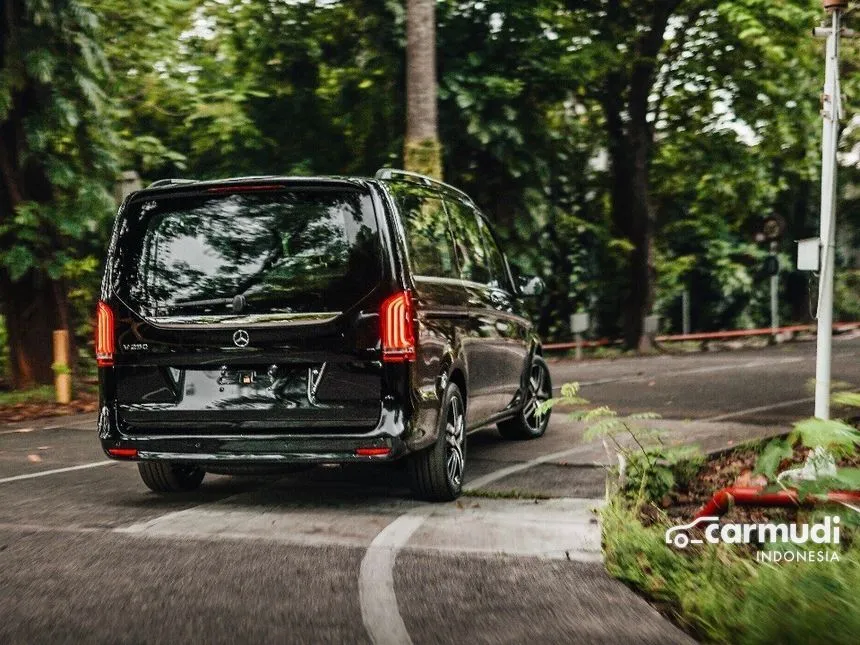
(397, 329)
(246, 188)
(124, 453)
(105, 343)
(372, 452)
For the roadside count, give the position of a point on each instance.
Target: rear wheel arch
(436, 473)
(526, 424)
(458, 376)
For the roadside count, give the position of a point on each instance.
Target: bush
(846, 295)
(4, 351)
(719, 592)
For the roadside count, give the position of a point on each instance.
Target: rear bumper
(202, 446)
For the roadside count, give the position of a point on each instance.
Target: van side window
(431, 247)
(498, 270)
(474, 264)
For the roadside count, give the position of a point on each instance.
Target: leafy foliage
(648, 468)
(56, 169)
(209, 88)
(834, 435)
(53, 136)
(723, 596)
(825, 438)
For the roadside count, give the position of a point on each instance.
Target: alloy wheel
(455, 438)
(538, 391)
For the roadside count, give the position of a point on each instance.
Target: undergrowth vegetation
(648, 467)
(723, 592)
(720, 593)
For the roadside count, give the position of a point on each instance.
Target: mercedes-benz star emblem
(241, 338)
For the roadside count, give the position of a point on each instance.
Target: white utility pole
(774, 304)
(831, 112)
(774, 293)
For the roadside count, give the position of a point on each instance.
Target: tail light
(105, 341)
(372, 452)
(397, 328)
(125, 453)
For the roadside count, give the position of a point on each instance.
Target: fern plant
(647, 467)
(828, 441)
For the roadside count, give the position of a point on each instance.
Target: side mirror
(530, 286)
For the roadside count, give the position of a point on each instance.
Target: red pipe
(725, 498)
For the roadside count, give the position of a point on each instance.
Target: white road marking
(56, 471)
(76, 425)
(17, 431)
(489, 478)
(376, 595)
(44, 528)
(377, 598)
(697, 370)
(761, 408)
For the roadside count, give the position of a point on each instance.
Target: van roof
(383, 175)
(164, 185)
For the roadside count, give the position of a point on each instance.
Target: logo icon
(824, 532)
(680, 539)
(241, 338)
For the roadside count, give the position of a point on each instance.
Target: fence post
(685, 311)
(62, 374)
(579, 323)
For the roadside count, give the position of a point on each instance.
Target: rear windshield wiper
(208, 302)
(237, 303)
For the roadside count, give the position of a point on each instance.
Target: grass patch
(505, 494)
(40, 394)
(721, 594)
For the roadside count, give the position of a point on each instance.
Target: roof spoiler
(394, 174)
(171, 182)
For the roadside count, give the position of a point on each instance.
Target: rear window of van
(267, 254)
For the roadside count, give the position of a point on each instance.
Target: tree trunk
(629, 152)
(641, 279)
(34, 307)
(625, 98)
(422, 150)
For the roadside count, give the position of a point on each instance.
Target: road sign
(809, 254)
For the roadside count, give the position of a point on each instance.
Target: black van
(253, 324)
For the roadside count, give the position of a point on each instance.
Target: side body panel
(441, 312)
(497, 338)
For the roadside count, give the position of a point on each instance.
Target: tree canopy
(627, 150)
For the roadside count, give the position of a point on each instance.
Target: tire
(436, 473)
(526, 425)
(168, 477)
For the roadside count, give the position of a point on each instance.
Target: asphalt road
(763, 386)
(342, 555)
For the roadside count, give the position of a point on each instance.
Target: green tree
(609, 152)
(55, 154)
